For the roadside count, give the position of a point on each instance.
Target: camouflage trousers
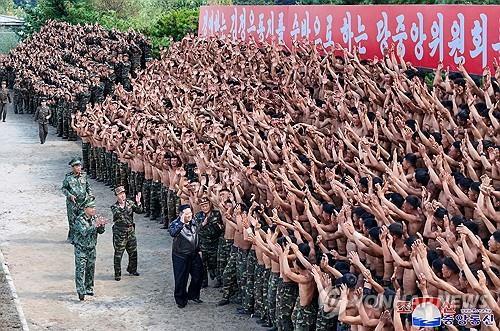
(108, 159)
(323, 323)
(93, 162)
(66, 120)
(154, 200)
(173, 203)
(286, 295)
(124, 240)
(304, 318)
(271, 297)
(164, 205)
(249, 302)
(209, 257)
(258, 281)
(229, 279)
(100, 164)
(72, 211)
(84, 270)
(241, 273)
(223, 252)
(146, 194)
(121, 175)
(86, 156)
(131, 184)
(139, 182)
(264, 308)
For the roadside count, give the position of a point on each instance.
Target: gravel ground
(9, 320)
(33, 229)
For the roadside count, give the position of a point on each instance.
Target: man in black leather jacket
(186, 257)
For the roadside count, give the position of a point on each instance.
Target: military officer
(86, 227)
(42, 116)
(124, 230)
(77, 190)
(4, 99)
(210, 232)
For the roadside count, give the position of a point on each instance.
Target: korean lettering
(479, 39)
(243, 22)
(474, 319)
(281, 27)
(437, 33)
(328, 34)
(234, 23)
(488, 320)
(447, 319)
(417, 35)
(251, 21)
(295, 27)
(305, 30)
(261, 29)
(400, 35)
(462, 319)
(457, 43)
(383, 32)
(346, 30)
(361, 36)
(317, 30)
(270, 25)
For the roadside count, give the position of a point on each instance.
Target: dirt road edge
(17, 303)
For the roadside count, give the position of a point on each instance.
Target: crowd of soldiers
(73, 65)
(332, 189)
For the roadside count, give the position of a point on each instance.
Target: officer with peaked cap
(77, 190)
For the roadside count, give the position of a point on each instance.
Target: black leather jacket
(186, 238)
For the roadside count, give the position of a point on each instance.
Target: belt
(124, 226)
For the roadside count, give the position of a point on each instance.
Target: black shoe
(256, 315)
(118, 278)
(218, 284)
(135, 273)
(237, 301)
(197, 300)
(267, 325)
(181, 306)
(90, 293)
(147, 215)
(164, 227)
(223, 302)
(243, 311)
(81, 297)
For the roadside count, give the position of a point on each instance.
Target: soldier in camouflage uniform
(249, 302)
(77, 190)
(87, 226)
(124, 231)
(210, 232)
(42, 116)
(4, 99)
(271, 297)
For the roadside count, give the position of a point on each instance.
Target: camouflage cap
(89, 203)
(204, 200)
(119, 190)
(75, 161)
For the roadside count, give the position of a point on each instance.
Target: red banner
(423, 34)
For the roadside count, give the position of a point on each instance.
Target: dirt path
(33, 230)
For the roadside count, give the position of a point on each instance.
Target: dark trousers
(3, 111)
(43, 130)
(185, 266)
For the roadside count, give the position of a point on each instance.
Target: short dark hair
(413, 201)
(396, 230)
(496, 236)
(411, 158)
(448, 261)
(440, 212)
(422, 176)
(183, 207)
